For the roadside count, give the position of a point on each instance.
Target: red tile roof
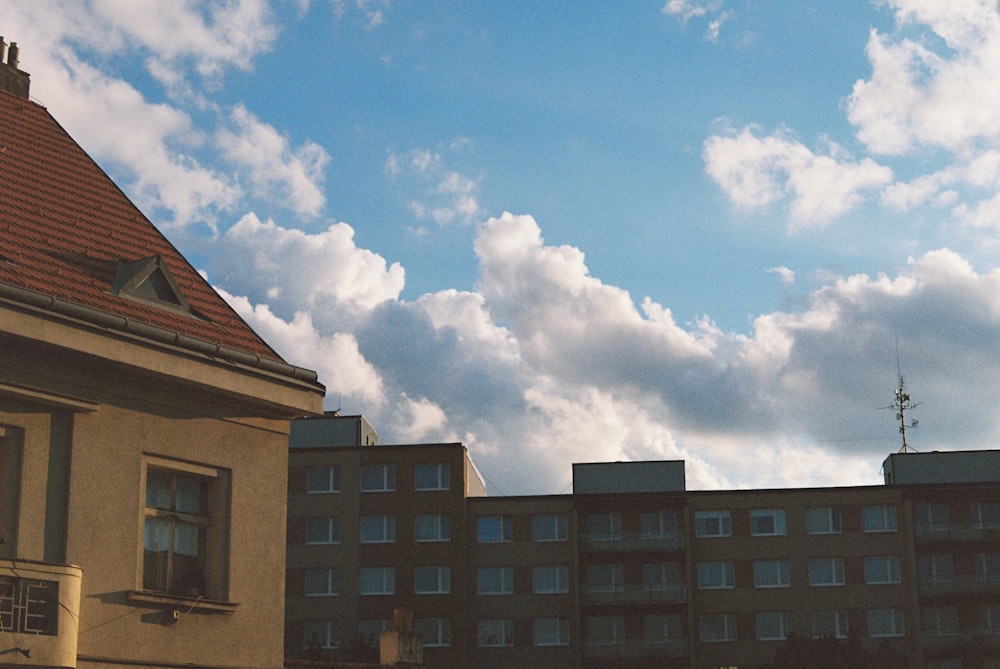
(65, 226)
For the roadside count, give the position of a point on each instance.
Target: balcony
(39, 613)
(960, 640)
(633, 650)
(631, 542)
(635, 594)
(958, 535)
(959, 586)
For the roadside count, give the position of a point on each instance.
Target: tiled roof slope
(65, 225)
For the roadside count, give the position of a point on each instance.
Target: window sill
(180, 603)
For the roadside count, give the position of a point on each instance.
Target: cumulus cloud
(756, 171)
(439, 194)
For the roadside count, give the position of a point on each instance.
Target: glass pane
(156, 540)
(190, 495)
(157, 489)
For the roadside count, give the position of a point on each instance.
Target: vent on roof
(148, 280)
(12, 79)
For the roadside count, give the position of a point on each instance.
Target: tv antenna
(902, 404)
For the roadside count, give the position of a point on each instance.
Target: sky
(709, 230)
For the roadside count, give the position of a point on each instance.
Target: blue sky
(559, 233)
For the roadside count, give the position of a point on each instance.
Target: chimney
(12, 79)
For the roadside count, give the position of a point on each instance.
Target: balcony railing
(39, 612)
(633, 542)
(635, 594)
(936, 641)
(930, 535)
(628, 649)
(959, 585)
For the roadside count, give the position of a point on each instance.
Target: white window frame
(989, 619)
(438, 579)
(836, 572)
(662, 628)
(439, 629)
(824, 520)
(765, 618)
(495, 633)
(768, 523)
(492, 581)
(729, 632)
(764, 569)
(386, 581)
(881, 570)
(613, 624)
(988, 567)
(931, 516)
(895, 619)
(377, 529)
(332, 534)
(318, 484)
(327, 579)
(603, 526)
(494, 529)
(716, 575)
(370, 630)
(440, 473)
(838, 623)
(879, 518)
(940, 620)
(936, 567)
(550, 632)
(657, 525)
(378, 478)
(986, 515)
(440, 523)
(713, 523)
(548, 527)
(661, 576)
(542, 575)
(328, 634)
(605, 578)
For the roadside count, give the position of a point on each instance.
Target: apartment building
(143, 429)
(632, 570)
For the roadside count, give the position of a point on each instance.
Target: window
(823, 520)
(548, 527)
(605, 630)
(431, 527)
(829, 624)
(434, 632)
(715, 627)
(322, 582)
(29, 606)
(767, 522)
(494, 529)
(604, 526)
(433, 476)
(771, 626)
(988, 566)
(378, 581)
(550, 631)
(661, 628)
(878, 518)
(931, 517)
(370, 631)
(324, 530)
(661, 577)
(378, 529)
(885, 622)
(989, 619)
(658, 525)
(712, 524)
(184, 528)
(495, 633)
(770, 574)
(604, 578)
(881, 569)
(939, 568)
(322, 479)
(550, 579)
(320, 634)
(826, 571)
(716, 575)
(940, 620)
(495, 580)
(432, 580)
(986, 515)
(378, 478)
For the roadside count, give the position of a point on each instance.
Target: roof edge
(153, 333)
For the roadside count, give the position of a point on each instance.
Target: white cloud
(787, 276)
(756, 171)
(439, 194)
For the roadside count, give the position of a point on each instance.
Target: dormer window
(148, 280)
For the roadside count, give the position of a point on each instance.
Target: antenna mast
(902, 404)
